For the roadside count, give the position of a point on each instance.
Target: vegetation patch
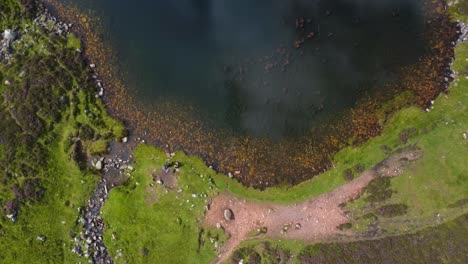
(392, 210)
(47, 95)
(171, 229)
(378, 190)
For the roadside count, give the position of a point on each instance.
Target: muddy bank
(262, 162)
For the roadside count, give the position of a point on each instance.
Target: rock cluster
(8, 36)
(47, 21)
(90, 242)
(463, 31)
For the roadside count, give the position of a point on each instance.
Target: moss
(348, 175)
(345, 226)
(458, 203)
(392, 210)
(73, 42)
(407, 134)
(378, 190)
(98, 147)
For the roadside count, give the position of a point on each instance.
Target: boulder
(228, 214)
(98, 165)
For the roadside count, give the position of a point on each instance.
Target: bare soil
(312, 220)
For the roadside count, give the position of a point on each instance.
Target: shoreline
(247, 159)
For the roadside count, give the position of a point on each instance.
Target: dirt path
(311, 220)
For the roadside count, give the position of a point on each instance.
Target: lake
(268, 90)
(267, 68)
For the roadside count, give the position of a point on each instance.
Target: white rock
(125, 139)
(98, 165)
(8, 34)
(228, 214)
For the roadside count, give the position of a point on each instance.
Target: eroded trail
(311, 220)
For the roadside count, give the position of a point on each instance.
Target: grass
(73, 42)
(169, 228)
(440, 177)
(64, 184)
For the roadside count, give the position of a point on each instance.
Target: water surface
(268, 68)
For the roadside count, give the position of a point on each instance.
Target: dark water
(262, 67)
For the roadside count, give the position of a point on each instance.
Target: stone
(228, 214)
(124, 140)
(7, 82)
(98, 165)
(9, 35)
(230, 175)
(41, 238)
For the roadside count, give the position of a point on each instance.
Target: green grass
(166, 223)
(73, 42)
(440, 177)
(64, 184)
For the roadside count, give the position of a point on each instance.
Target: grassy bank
(50, 118)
